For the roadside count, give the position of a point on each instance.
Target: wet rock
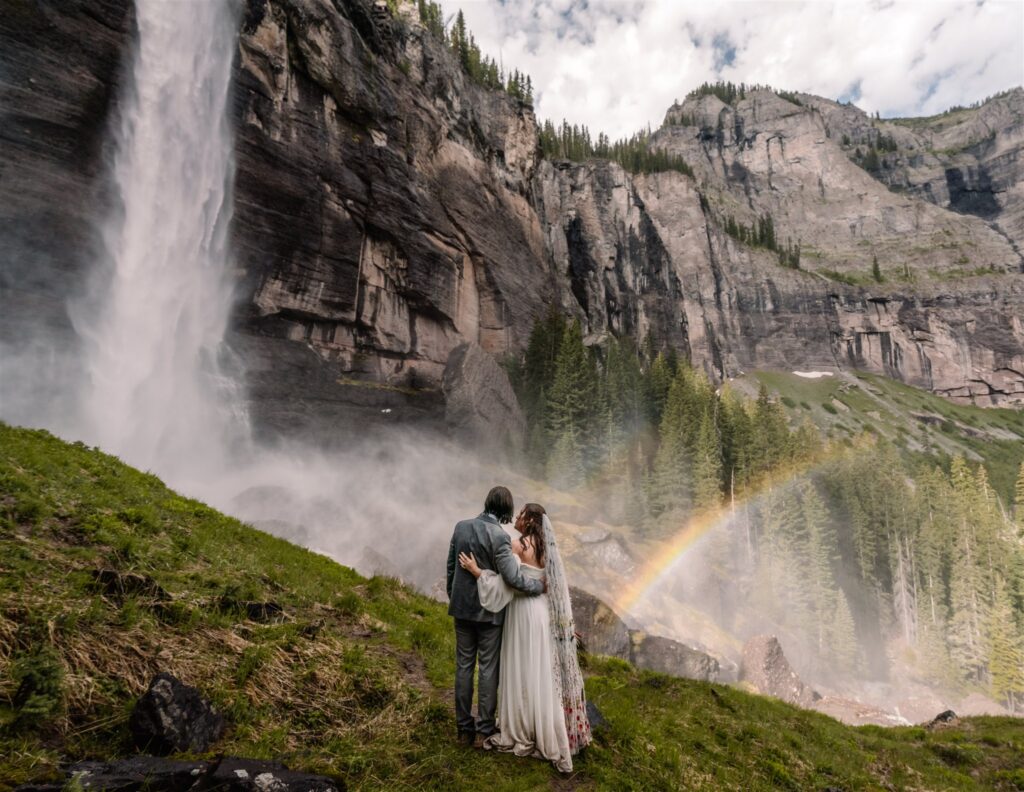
(766, 668)
(601, 629)
(654, 653)
(480, 405)
(172, 717)
(249, 775)
(944, 720)
(137, 773)
(155, 774)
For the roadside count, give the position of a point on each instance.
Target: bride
(542, 711)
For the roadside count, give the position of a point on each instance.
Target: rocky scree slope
(388, 210)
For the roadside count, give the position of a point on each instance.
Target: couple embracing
(509, 596)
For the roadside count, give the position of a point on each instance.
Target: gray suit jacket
(492, 548)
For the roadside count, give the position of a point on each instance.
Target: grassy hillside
(355, 680)
(923, 424)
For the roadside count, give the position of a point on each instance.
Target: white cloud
(616, 65)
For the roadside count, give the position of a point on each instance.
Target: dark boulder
(172, 717)
(654, 653)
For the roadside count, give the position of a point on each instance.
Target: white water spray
(156, 395)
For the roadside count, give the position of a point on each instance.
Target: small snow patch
(814, 374)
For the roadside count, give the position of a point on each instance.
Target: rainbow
(669, 553)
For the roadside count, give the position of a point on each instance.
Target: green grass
(355, 681)
(888, 407)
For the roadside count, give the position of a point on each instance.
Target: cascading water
(153, 340)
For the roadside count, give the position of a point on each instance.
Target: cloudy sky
(617, 65)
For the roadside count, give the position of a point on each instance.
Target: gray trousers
(476, 643)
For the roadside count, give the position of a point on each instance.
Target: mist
(143, 370)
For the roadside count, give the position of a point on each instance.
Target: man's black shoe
(466, 739)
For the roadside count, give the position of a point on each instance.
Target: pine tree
(532, 387)
(671, 480)
(657, 383)
(876, 271)
(843, 649)
(460, 41)
(1005, 651)
(967, 585)
(707, 464)
(565, 465)
(573, 394)
(817, 546)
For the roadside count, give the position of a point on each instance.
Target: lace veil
(566, 663)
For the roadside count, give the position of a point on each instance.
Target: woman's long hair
(530, 524)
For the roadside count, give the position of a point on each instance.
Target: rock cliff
(388, 210)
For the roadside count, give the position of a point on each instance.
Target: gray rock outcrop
(654, 653)
(480, 405)
(600, 627)
(767, 670)
(604, 633)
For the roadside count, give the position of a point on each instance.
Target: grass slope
(924, 425)
(355, 682)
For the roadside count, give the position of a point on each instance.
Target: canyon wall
(388, 210)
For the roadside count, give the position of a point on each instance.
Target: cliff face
(60, 73)
(967, 160)
(387, 210)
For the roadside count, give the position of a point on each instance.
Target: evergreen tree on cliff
(707, 464)
(573, 394)
(671, 478)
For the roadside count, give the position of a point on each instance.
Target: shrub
(827, 407)
(39, 694)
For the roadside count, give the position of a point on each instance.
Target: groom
(478, 631)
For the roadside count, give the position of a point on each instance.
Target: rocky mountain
(387, 210)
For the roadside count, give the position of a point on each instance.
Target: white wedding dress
(540, 687)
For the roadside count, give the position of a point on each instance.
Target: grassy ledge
(355, 681)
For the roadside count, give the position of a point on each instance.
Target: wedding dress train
(531, 717)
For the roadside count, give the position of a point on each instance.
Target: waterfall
(157, 394)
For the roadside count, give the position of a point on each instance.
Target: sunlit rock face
(386, 211)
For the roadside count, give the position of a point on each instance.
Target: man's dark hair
(499, 503)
